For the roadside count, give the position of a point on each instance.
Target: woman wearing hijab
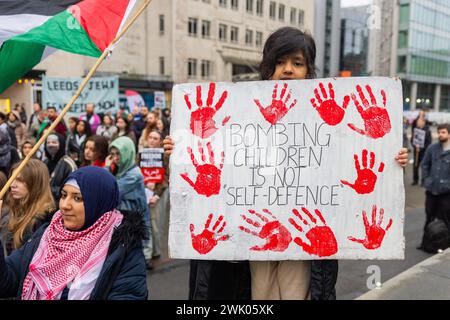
(89, 251)
(122, 164)
(59, 165)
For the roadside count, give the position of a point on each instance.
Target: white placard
(287, 170)
(419, 137)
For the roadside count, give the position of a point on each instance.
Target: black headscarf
(51, 162)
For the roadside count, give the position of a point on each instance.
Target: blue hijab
(99, 190)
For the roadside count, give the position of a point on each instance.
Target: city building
(415, 45)
(178, 41)
(327, 33)
(354, 41)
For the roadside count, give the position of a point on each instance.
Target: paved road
(169, 280)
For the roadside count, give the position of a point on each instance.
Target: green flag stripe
(21, 53)
(62, 32)
(16, 59)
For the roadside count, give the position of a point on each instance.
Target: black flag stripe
(39, 7)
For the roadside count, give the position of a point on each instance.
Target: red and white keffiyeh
(69, 259)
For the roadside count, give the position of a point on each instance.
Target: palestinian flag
(31, 30)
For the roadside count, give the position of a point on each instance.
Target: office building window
(301, 17)
(223, 3)
(259, 7)
(206, 69)
(293, 16)
(249, 37)
(192, 27)
(272, 10)
(281, 12)
(249, 6)
(222, 32)
(235, 4)
(161, 24)
(206, 29)
(259, 39)
(162, 69)
(234, 37)
(192, 68)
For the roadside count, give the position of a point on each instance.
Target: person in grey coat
(436, 177)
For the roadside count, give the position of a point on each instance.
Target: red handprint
(204, 242)
(208, 178)
(329, 110)
(276, 235)
(376, 119)
(322, 240)
(278, 108)
(202, 122)
(365, 183)
(374, 233)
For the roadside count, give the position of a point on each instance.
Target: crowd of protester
(109, 141)
(105, 150)
(431, 171)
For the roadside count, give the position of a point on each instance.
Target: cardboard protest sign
(152, 165)
(287, 170)
(102, 92)
(419, 137)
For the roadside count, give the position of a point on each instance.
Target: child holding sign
(289, 54)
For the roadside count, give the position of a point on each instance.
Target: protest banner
(134, 99)
(419, 137)
(152, 165)
(160, 99)
(103, 92)
(287, 170)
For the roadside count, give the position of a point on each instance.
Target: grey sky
(354, 3)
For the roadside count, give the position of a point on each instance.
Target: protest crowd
(430, 171)
(108, 142)
(84, 192)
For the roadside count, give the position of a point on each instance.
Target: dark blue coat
(436, 170)
(123, 276)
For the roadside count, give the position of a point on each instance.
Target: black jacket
(123, 275)
(436, 170)
(323, 279)
(63, 169)
(72, 147)
(219, 280)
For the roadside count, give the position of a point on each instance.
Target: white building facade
(178, 41)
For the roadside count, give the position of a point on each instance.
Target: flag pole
(74, 98)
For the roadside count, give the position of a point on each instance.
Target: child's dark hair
(285, 41)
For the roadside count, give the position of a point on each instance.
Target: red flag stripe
(102, 19)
